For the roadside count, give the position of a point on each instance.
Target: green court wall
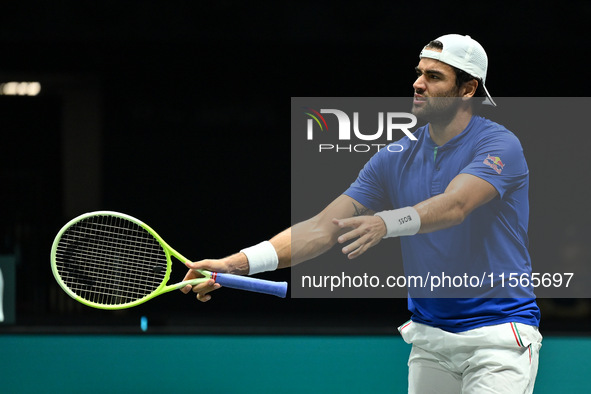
(241, 364)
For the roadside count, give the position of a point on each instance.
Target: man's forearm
(464, 194)
(307, 239)
(303, 242)
(282, 244)
(440, 212)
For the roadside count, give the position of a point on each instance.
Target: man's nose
(419, 84)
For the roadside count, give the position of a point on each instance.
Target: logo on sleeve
(495, 163)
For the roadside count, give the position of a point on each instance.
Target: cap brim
(488, 100)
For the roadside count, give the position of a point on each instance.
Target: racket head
(110, 260)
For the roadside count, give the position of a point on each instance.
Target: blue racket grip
(278, 289)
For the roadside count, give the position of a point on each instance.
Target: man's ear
(469, 88)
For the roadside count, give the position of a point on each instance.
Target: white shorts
(494, 359)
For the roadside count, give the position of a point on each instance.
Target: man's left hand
(367, 231)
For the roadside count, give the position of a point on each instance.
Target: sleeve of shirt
(499, 160)
(368, 189)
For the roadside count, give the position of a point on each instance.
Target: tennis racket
(110, 260)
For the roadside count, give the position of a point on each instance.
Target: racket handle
(278, 289)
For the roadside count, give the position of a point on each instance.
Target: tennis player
(460, 199)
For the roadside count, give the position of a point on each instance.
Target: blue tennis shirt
(491, 242)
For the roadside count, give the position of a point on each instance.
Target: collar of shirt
(455, 141)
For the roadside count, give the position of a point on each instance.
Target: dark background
(178, 113)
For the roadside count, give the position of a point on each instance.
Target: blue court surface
(241, 364)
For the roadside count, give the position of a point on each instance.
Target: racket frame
(168, 250)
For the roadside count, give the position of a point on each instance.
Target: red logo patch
(495, 163)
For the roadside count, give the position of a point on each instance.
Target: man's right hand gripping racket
(110, 260)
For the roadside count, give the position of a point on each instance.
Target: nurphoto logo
(388, 123)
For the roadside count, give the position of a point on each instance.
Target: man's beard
(437, 110)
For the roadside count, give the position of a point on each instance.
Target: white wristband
(399, 222)
(261, 257)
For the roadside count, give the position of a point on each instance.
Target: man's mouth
(419, 99)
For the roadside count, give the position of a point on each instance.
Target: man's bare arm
(299, 243)
(312, 237)
(464, 194)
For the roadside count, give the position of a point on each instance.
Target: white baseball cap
(464, 53)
